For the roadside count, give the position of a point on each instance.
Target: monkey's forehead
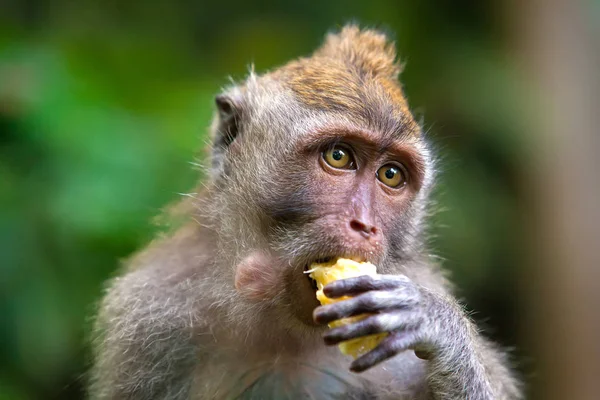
(327, 84)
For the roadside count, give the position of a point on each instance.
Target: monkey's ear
(229, 111)
(226, 125)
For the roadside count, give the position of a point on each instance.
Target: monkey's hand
(415, 318)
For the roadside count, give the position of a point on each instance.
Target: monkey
(317, 159)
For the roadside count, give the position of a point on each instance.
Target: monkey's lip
(312, 282)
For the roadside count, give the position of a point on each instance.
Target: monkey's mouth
(304, 292)
(322, 260)
(327, 260)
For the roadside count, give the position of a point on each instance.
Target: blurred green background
(103, 107)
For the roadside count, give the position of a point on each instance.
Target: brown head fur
(353, 71)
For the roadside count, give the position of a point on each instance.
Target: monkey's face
(324, 190)
(341, 193)
(313, 186)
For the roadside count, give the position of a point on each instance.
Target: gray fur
(174, 327)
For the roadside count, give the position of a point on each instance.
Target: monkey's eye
(339, 157)
(391, 175)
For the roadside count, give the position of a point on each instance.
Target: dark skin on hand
(394, 303)
(316, 160)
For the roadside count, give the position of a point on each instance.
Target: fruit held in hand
(343, 268)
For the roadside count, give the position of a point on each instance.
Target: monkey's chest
(301, 381)
(294, 379)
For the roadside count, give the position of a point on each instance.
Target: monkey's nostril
(362, 228)
(357, 225)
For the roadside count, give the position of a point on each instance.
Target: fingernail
(329, 340)
(317, 316)
(355, 368)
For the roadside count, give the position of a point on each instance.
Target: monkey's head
(318, 159)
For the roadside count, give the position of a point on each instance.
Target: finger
(388, 348)
(370, 302)
(364, 283)
(373, 324)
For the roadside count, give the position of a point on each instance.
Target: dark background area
(104, 105)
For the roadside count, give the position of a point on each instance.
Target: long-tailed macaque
(318, 159)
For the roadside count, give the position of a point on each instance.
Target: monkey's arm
(146, 334)
(462, 364)
(143, 345)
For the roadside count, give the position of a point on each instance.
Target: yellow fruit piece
(343, 268)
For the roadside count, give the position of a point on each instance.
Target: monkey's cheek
(256, 292)
(256, 278)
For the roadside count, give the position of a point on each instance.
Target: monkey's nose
(364, 229)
